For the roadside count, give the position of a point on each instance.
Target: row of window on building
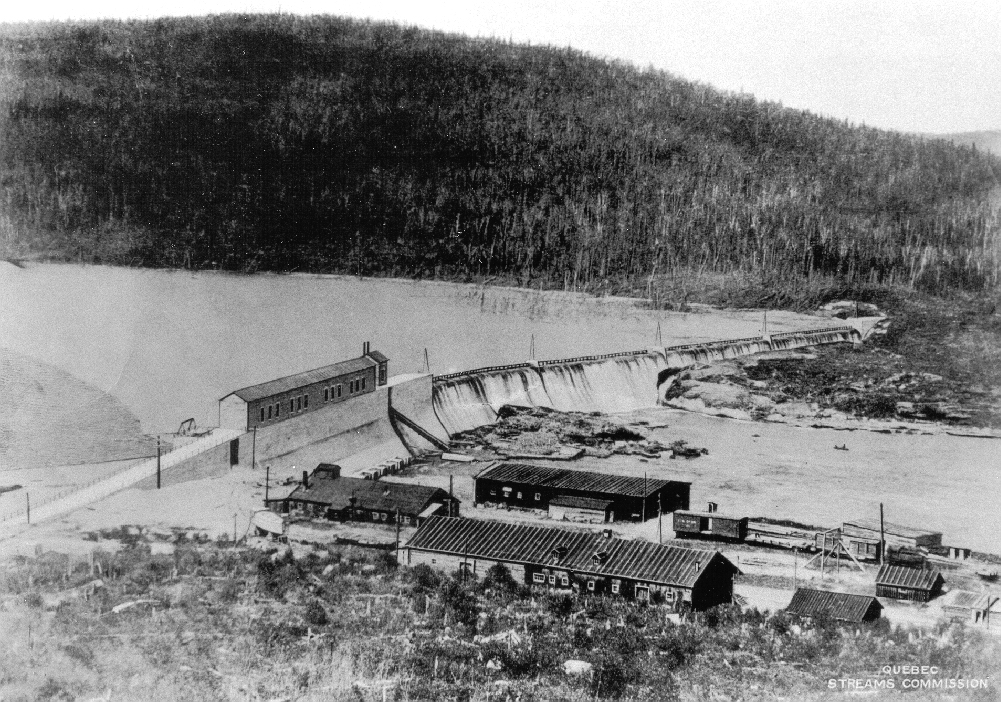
(336, 391)
(507, 494)
(295, 404)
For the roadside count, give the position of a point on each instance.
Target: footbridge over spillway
(614, 382)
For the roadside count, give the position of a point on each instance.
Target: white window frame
(615, 588)
(552, 579)
(590, 585)
(538, 496)
(538, 578)
(565, 580)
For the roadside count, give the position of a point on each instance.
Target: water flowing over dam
(609, 383)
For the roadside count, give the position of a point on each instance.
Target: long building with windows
(561, 559)
(268, 403)
(578, 495)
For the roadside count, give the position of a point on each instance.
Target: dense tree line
(326, 144)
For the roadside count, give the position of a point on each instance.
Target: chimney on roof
(305, 480)
(712, 507)
(366, 348)
(607, 533)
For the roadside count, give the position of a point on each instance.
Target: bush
(315, 615)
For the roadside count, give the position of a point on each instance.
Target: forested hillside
(326, 144)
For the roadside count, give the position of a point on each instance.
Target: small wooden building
(535, 487)
(867, 530)
(903, 583)
(711, 525)
(587, 562)
(326, 495)
(839, 606)
(969, 607)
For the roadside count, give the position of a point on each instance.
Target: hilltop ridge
(333, 145)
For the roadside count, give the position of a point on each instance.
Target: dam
(296, 420)
(618, 382)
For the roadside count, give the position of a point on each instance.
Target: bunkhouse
(597, 496)
(903, 583)
(267, 403)
(808, 603)
(867, 533)
(326, 495)
(709, 524)
(562, 559)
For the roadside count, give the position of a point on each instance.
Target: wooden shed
(903, 583)
(582, 561)
(895, 534)
(709, 525)
(969, 607)
(840, 606)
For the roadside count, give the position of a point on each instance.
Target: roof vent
(366, 348)
(712, 507)
(560, 552)
(599, 558)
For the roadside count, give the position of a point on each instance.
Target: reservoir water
(169, 344)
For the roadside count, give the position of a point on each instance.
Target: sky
(927, 66)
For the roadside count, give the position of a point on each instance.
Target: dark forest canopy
(333, 145)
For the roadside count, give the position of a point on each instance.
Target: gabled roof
(841, 606)
(564, 479)
(373, 495)
(963, 599)
(530, 544)
(301, 380)
(911, 578)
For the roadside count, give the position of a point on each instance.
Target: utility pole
(157, 461)
(795, 561)
(882, 537)
(427, 363)
(644, 496)
(660, 517)
(27, 501)
(253, 450)
(451, 497)
(267, 484)
(531, 349)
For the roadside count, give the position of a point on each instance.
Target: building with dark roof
(326, 495)
(276, 400)
(902, 583)
(839, 606)
(535, 487)
(563, 559)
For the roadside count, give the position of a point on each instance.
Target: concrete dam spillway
(609, 383)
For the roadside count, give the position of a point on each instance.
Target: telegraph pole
(267, 484)
(157, 461)
(882, 537)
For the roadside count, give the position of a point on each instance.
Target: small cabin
(844, 607)
(913, 584)
(688, 524)
(969, 607)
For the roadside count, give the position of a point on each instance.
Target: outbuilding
(969, 607)
(867, 531)
(914, 584)
(586, 562)
(325, 494)
(628, 498)
(839, 606)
